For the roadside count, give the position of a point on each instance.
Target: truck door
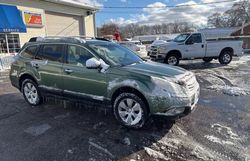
(194, 46)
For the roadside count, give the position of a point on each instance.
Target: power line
(185, 5)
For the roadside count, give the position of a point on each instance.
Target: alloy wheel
(172, 60)
(130, 111)
(31, 93)
(226, 58)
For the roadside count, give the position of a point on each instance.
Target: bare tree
(132, 30)
(234, 17)
(107, 29)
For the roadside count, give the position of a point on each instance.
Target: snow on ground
(218, 140)
(229, 90)
(179, 140)
(241, 60)
(226, 79)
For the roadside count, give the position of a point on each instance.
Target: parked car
(195, 46)
(135, 46)
(105, 74)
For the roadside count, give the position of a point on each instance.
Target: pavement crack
(6, 116)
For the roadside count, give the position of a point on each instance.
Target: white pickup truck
(195, 46)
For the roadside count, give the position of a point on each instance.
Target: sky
(152, 12)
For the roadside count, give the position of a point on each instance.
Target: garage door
(63, 24)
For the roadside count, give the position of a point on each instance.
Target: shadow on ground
(193, 65)
(53, 132)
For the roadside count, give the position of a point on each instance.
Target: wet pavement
(219, 129)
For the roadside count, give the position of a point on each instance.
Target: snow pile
(226, 131)
(155, 154)
(203, 153)
(234, 91)
(218, 140)
(5, 61)
(242, 60)
(230, 90)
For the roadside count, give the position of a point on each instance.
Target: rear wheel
(207, 60)
(226, 57)
(31, 92)
(130, 110)
(172, 59)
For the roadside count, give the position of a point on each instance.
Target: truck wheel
(207, 60)
(225, 57)
(172, 59)
(130, 110)
(31, 92)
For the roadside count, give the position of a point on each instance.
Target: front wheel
(172, 59)
(130, 110)
(31, 92)
(225, 57)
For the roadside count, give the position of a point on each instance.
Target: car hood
(155, 69)
(171, 43)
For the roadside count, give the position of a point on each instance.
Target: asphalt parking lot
(219, 129)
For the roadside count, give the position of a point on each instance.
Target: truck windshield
(181, 37)
(115, 54)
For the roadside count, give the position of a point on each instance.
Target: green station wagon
(104, 74)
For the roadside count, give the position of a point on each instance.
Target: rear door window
(51, 52)
(30, 51)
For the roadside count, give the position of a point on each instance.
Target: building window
(9, 43)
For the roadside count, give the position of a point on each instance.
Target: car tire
(172, 59)
(207, 60)
(130, 110)
(31, 92)
(225, 57)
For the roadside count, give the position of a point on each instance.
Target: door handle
(68, 71)
(202, 46)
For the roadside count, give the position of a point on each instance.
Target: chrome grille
(153, 50)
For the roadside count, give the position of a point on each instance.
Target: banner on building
(33, 19)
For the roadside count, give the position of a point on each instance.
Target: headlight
(161, 49)
(168, 87)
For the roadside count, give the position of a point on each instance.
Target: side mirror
(93, 63)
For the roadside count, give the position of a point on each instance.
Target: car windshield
(115, 54)
(181, 38)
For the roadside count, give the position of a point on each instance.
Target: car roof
(57, 39)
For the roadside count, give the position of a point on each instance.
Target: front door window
(78, 55)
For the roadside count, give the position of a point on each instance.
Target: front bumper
(181, 108)
(156, 57)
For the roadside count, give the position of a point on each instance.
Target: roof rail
(57, 38)
(75, 39)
